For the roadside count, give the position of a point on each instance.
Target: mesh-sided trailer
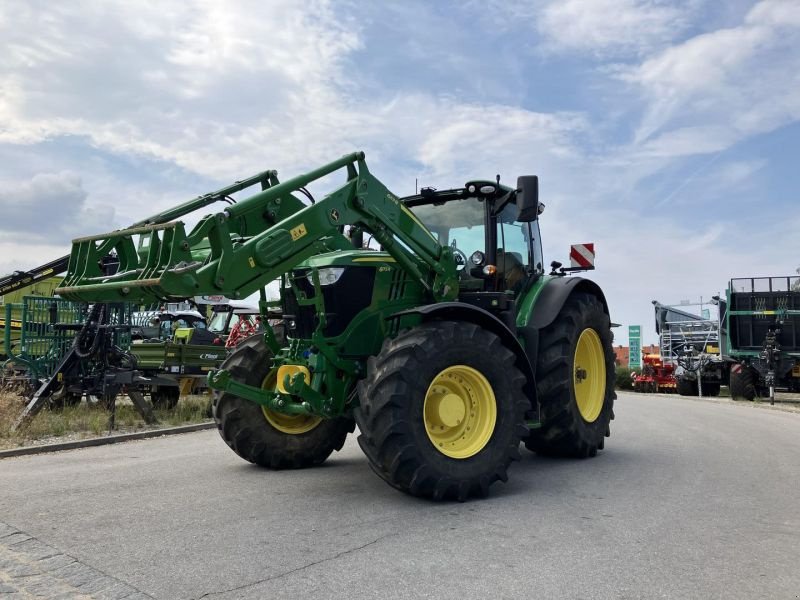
(42, 338)
(47, 335)
(761, 335)
(11, 306)
(691, 343)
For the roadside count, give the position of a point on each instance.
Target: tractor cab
(492, 230)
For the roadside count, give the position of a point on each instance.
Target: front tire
(687, 387)
(442, 410)
(264, 437)
(742, 383)
(575, 381)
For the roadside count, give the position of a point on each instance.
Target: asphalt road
(690, 499)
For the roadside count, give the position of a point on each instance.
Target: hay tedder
(447, 347)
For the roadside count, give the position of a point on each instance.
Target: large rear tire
(442, 410)
(264, 437)
(575, 381)
(742, 383)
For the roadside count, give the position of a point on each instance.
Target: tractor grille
(343, 301)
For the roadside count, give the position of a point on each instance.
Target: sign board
(581, 256)
(635, 346)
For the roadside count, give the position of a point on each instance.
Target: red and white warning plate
(582, 256)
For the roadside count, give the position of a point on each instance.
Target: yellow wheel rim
(291, 424)
(460, 412)
(589, 375)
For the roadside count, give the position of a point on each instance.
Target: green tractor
(448, 346)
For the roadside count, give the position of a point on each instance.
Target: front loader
(448, 346)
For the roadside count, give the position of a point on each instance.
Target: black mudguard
(461, 311)
(548, 305)
(555, 294)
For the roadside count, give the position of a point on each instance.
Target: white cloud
(715, 89)
(610, 27)
(206, 87)
(228, 91)
(50, 206)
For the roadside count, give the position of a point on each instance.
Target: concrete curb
(102, 441)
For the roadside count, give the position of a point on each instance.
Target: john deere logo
(209, 356)
(335, 214)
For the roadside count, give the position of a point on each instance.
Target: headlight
(477, 258)
(327, 276)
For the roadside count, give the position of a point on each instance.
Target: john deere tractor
(428, 321)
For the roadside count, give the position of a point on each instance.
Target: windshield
(456, 223)
(218, 321)
(460, 224)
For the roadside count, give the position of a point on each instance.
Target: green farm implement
(11, 305)
(448, 346)
(761, 336)
(66, 350)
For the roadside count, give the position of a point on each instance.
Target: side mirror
(527, 198)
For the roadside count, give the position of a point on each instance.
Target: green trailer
(176, 367)
(449, 346)
(46, 334)
(761, 336)
(11, 306)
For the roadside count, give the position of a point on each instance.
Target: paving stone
(98, 584)
(7, 561)
(55, 562)
(30, 568)
(15, 538)
(76, 574)
(6, 530)
(117, 592)
(21, 569)
(139, 596)
(69, 595)
(35, 549)
(41, 585)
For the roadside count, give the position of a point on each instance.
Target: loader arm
(21, 279)
(238, 251)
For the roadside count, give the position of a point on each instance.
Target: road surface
(690, 499)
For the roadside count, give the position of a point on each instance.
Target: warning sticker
(298, 232)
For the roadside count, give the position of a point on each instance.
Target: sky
(666, 133)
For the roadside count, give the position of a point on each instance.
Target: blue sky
(665, 132)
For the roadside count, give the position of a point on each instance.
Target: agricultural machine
(67, 350)
(11, 294)
(762, 336)
(447, 347)
(57, 351)
(656, 375)
(691, 344)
